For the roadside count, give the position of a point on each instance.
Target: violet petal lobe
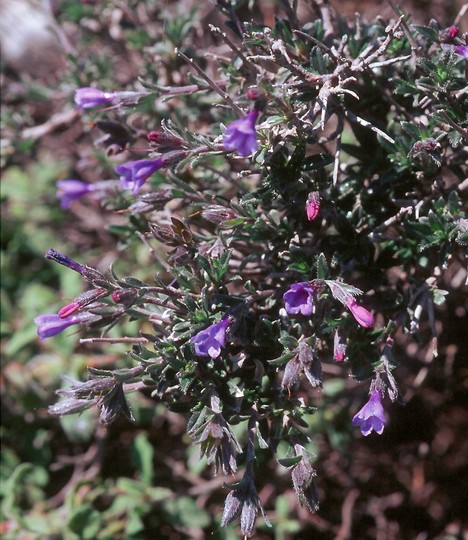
(241, 135)
(210, 341)
(299, 299)
(134, 174)
(372, 416)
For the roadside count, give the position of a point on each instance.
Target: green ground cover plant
(267, 237)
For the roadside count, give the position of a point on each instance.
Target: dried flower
(209, 342)
(313, 205)
(303, 475)
(243, 501)
(241, 136)
(339, 349)
(219, 214)
(360, 313)
(113, 405)
(299, 299)
(304, 362)
(50, 324)
(371, 417)
(219, 444)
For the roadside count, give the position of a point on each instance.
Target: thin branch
(212, 84)
(114, 340)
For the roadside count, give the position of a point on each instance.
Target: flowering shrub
(339, 179)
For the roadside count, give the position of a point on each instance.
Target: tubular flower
(50, 324)
(87, 98)
(68, 191)
(241, 136)
(209, 342)
(134, 174)
(299, 299)
(371, 417)
(360, 313)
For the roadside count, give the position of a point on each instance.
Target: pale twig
(236, 49)
(113, 340)
(315, 42)
(451, 123)
(354, 118)
(414, 46)
(336, 165)
(211, 83)
(56, 121)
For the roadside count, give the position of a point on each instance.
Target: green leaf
(86, 522)
(142, 455)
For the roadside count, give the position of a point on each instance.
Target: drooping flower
(87, 98)
(462, 50)
(299, 298)
(360, 313)
(68, 191)
(134, 174)
(371, 417)
(339, 349)
(209, 342)
(50, 324)
(241, 136)
(313, 205)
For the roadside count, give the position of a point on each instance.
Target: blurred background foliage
(73, 479)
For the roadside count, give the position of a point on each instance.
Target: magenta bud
(313, 205)
(360, 313)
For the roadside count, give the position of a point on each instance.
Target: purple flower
(462, 50)
(50, 324)
(209, 342)
(68, 191)
(299, 299)
(134, 174)
(360, 313)
(90, 274)
(371, 417)
(240, 135)
(87, 98)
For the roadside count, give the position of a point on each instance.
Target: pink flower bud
(339, 349)
(313, 205)
(360, 313)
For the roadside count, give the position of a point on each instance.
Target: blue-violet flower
(134, 174)
(50, 324)
(209, 342)
(371, 417)
(87, 98)
(241, 136)
(68, 191)
(462, 50)
(299, 299)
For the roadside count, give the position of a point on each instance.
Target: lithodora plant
(322, 175)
